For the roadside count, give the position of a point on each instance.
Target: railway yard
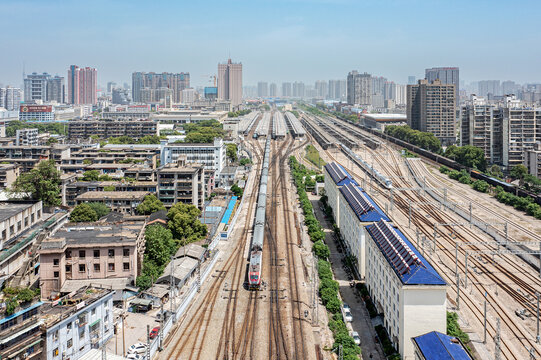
(497, 272)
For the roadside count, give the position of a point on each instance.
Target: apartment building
(135, 129)
(82, 254)
(404, 287)
(431, 108)
(212, 156)
(74, 189)
(17, 217)
(124, 202)
(521, 132)
(178, 183)
(80, 321)
(27, 156)
(357, 210)
(359, 88)
(532, 160)
(26, 137)
(8, 174)
(335, 177)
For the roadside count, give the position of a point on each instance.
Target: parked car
(347, 316)
(154, 332)
(138, 348)
(346, 307)
(135, 357)
(356, 338)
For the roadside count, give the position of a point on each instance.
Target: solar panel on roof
(337, 173)
(357, 200)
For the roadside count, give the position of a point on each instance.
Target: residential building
(181, 183)
(532, 160)
(321, 89)
(521, 131)
(359, 89)
(411, 80)
(36, 113)
(212, 156)
(16, 217)
(43, 88)
(299, 90)
(273, 90)
(357, 209)
(20, 334)
(26, 137)
(108, 253)
(335, 177)
(337, 90)
(431, 108)
(230, 82)
(136, 129)
(446, 76)
(162, 95)
(28, 156)
(438, 346)
(76, 188)
(10, 98)
(82, 85)
(262, 89)
(489, 88)
(286, 89)
(153, 81)
(8, 174)
(120, 96)
(78, 322)
(403, 286)
(188, 96)
(401, 94)
(211, 93)
(120, 201)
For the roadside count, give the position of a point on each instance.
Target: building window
(4, 234)
(68, 268)
(11, 229)
(111, 253)
(82, 334)
(56, 262)
(56, 274)
(39, 214)
(111, 266)
(32, 218)
(93, 312)
(26, 221)
(126, 252)
(68, 326)
(70, 343)
(126, 266)
(96, 254)
(82, 267)
(19, 225)
(55, 335)
(68, 254)
(97, 267)
(82, 254)
(55, 352)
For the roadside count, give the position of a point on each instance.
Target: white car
(346, 307)
(139, 348)
(135, 357)
(356, 338)
(347, 316)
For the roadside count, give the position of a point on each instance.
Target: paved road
(361, 319)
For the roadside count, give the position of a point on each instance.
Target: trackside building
(404, 287)
(335, 177)
(356, 210)
(437, 346)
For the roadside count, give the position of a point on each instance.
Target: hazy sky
(275, 40)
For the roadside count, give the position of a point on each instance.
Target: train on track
(384, 181)
(256, 248)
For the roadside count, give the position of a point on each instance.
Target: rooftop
(9, 209)
(364, 207)
(408, 264)
(339, 175)
(386, 117)
(112, 195)
(191, 250)
(437, 346)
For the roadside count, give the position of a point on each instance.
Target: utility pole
(171, 288)
(485, 322)
(199, 276)
(470, 214)
(444, 197)
(537, 337)
(160, 333)
(409, 215)
(456, 258)
(457, 291)
(497, 351)
(123, 338)
(466, 272)
(148, 342)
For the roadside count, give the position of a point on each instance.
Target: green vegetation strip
(328, 287)
(312, 155)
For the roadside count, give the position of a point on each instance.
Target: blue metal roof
(339, 175)
(362, 204)
(229, 211)
(410, 266)
(20, 312)
(437, 346)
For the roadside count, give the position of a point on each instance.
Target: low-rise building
(124, 202)
(228, 176)
(438, 346)
(135, 129)
(77, 188)
(17, 217)
(356, 211)
(181, 183)
(404, 287)
(532, 160)
(77, 323)
(212, 155)
(335, 177)
(108, 253)
(8, 174)
(381, 121)
(26, 137)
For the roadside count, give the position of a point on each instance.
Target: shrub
(333, 305)
(481, 186)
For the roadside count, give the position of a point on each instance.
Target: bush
(444, 169)
(83, 213)
(333, 305)
(465, 179)
(481, 186)
(321, 250)
(453, 329)
(329, 284)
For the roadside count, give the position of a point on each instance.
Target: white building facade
(211, 156)
(335, 177)
(404, 287)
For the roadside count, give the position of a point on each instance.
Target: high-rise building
(273, 90)
(411, 80)
(110, 86)
(120, 96)
(491, 87)
(262, 89)
(154, 81)
(378, 85)
(431, 108)
(299, 90)
(509, 87)
(189, 96)
(286, 89)
(401, 95)
(44, 87)
(230, 82)
(389, 90)
(10, 98)
(446, 75)
(82, 85)
(359, 88)
(321, 89)
(337, 90)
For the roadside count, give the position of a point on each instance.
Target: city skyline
(399, 43)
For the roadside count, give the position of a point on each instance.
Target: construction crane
(210, 77)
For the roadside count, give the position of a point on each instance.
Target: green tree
(159, 244)
(91, 175)
(100, 208)
(41, 183)
(481, 186)
(51, 141)
(121, 140)
(150, 204)
(518, 172)
(109, 188)
(321, 250)
(83, 213)
(245, 161)
(236, 190)
(87, 162)
(496, 171)
(149, 139)
(231, 152)
(184, 223)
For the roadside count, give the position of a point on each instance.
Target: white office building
(404, 287)
(356, 211)
(335, 177)
(212, 156)
(10, 98)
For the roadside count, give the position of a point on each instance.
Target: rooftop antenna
(24, 72)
